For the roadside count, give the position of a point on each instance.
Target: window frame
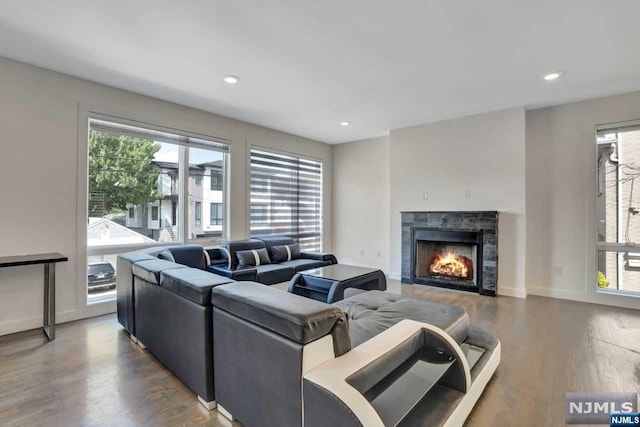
(219, 174)
(215, 207)
(97, 305)
(197, 213)
(604, 246)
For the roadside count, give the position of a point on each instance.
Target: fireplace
(447, 258)
(456, 250)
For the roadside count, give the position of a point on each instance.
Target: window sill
(617, 292)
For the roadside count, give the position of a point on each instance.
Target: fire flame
(449, 265)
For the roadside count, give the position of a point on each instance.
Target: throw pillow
(285, 252)
(253, 257)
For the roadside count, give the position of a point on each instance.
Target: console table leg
(49, 323)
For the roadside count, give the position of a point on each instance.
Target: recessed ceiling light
(345, 123)
(231, 79)
(553, 76)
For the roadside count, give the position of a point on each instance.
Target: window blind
(159, 136)
(286, 198)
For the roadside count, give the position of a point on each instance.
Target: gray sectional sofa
(166, 308)
(285, 360)
(225, 262)
(240, 343)
(164, 300)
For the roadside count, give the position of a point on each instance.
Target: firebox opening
(448, 262)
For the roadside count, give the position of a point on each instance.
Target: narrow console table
(49, 261)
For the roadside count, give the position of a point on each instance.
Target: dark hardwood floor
(93, 375)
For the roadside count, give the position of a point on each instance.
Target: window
(286, 197)
(198, 179)
(210, 165)
(618, 208)
(137, 190)
(216, 179)
(215, 213)
(198, 209)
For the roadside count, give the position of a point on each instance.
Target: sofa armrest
(217, 256)
(319, 256)
(242, 275)
(342, 386)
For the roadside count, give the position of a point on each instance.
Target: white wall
(361, 202)
(483, 153)
(561, 182)
(43, 118)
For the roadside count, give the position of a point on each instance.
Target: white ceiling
(307, 65)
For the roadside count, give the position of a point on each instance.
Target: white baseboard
(92, 310)
(557, 293)
(512, 292)
(394, 276)
(35, 322)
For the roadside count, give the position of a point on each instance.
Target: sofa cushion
(304, 264)
(253, 257)
(372, 312)
(166, 255)
(274, 273)
(149, 270)
(133, 257)
(192, 283)
(189, 255)
(240, 245)
(302, 320)
(285, 253)
(277, 240)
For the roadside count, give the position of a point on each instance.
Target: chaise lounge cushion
(150, 270)
(191, 283)
(304, 264)
(270, 274)
(373, 312)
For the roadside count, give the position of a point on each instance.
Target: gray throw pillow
(253, 257)
(285, 253)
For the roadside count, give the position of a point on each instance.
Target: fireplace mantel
(485, 222)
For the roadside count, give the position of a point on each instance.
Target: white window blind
(286, 198)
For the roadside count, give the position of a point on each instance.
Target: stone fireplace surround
(484, 221)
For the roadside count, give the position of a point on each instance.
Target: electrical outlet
(361, 252)
(557, 270)
(425, 196)
(467, 193)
